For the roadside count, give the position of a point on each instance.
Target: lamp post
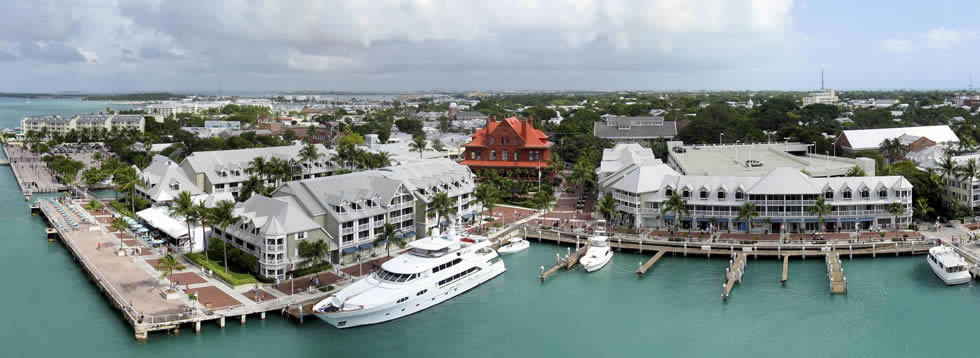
(720, 135)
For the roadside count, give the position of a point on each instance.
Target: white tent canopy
(159, 218)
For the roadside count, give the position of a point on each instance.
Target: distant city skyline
(98, 46)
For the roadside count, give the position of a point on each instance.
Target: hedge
(233, 278)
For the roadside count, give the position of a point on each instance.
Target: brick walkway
(258, 295)
(302, 283)
(213, 296)
(354, 270)
(186, 278)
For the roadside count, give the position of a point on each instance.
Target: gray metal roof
(211, 162)
(432, 173)
(320, 195)
(275, 216)
(667, 130)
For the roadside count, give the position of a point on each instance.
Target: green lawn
(232, 277)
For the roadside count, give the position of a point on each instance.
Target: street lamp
(720, 135)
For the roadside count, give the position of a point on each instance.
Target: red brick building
(509, 145)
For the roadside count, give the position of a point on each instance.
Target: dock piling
(197, 327)
(221, 322)
(785, 269)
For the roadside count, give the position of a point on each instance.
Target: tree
(390, 235)
(119, 224)
(947, 166)
(677, 206)
(204, 216)
(258, 166)
(922, 208)
(126, 180)
(224, 216)
(440, 206)
(747, 212)
(252, 185)
(438, 146)
(289, 135)
(384, 159)
(820, 208)
(607, 206)
(896, 209)
(418, 144)
(855, 171)
(892, 149)
(314, 251)
(184, 206)
(968, 171)
(487, 195)
(309, 154)
(167, 265)
(543, 200)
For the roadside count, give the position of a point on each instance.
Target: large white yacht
(599, 252)
(434, 270)
(948, 265)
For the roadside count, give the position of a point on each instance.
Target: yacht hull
(955, 278)
(592, 264)
(514, 247)
(416, 303)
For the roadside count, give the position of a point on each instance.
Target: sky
(112, 46)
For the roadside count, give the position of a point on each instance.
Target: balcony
(275, 248)
(379, 223)
(363, 227)
(346, 231)
(273, 262)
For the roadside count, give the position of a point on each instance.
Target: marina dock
(120, 272)
(785, 269)
(567, 263)
(646, 266)
(835, 273)
(733, 274)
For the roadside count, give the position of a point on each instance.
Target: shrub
(819, 241)
(323, 266)
(232, 278)
(497, 224)
(326, 289)
(676, 239)
(898, 239)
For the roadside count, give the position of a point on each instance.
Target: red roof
(531, 137)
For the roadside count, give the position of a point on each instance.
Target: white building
(827, 96)
(783, 195)
(57, 125)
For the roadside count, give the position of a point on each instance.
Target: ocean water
(13, 109)
(895, 308)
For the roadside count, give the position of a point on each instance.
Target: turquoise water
(13, 109)
(895, 308)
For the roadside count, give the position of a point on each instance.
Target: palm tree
(486, 194)
(204, 216)
(126, 180)
(224, 216)
(855, 171)
(968, 170)
(258, 166)
(252, 185)
(677, 206)
(947, 166)
(892, 149)
(384, 159)
(896, 209)
(747, 212)
(309, 154)
(440, 206)
(820, 208)
(607, 206)
(119, 224)
(390, 235)
(437, 145)
(543, 200)
(167, 265)
(314, 250)
(418, 144)
(184, 206)
(922, 208)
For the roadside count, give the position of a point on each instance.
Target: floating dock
(785, 269)
(835, 273)
(733, 274)
(567, 263)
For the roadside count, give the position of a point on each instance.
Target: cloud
(898, 45)
(51, 51)
(943, 38)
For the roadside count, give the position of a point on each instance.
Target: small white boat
(599, 253)
(516, 244)
(948, 265)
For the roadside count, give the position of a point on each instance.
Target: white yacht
(948, 265)
(599, 253)
(434, 270)
(516, 244)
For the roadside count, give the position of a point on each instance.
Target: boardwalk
(653, 260)
(567, 263)
(785, 269)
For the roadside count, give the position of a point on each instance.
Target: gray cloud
(51, 51)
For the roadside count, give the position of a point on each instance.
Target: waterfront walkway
(31, 172)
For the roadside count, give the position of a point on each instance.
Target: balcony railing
(363, 227)
(379, 223)
(273, 262)
(349, 230)
(275, 248)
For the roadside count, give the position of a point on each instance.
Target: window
(492, 141)
(882, 194)
(493, 155)
(686, 194)
(668, 192)
(422, 292)
(473, 155)
(704, 195)
(446, 265)
(739, 195)
(865, 194)
(504, 156)
(847, 194)
(721, 195)
(300, 235)
(458, 276)
(829, 194)
(515, 156)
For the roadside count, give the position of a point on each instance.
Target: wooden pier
(567, 263)
(653, 260)
(785, 269)
(835, 273)
(733, 274)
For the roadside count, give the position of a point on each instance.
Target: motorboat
(434, 270)
(516, 244)
(948, 265)
(599, 253)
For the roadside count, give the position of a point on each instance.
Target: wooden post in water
(539, 236)
(874, 252)
(896, 249)
(685, 249)
(620, 241)
(850, 251)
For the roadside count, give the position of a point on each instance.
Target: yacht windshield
(395, 277)
(430, 253)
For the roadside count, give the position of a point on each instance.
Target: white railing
(363, 227)
(379, 223)
(273, 262)
(275, 248)
(349, 230)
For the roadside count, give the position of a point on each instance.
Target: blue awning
(704, 220)
(466, 216)
(366, 245)
(809, 220)
(668, 217)
(867, 219)
(410, 234)
(349, 250)
(847, 220)
(758, 221)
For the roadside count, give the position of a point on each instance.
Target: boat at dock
(516, 244)
(434, 270)
(948, 265)
(599, 253)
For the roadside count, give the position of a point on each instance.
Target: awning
(703, 220)
(809, 220)
(759, 221)
(366, 245)
(669, 217)
(867, 219)
(409, 234)
(349, 250)
(466, 216)
(847, 220)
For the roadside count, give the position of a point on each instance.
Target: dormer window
(847, 194)
(739, 195)
(704, 194)
(883, 193)
(865, 194)
(668, 192)
(174, 186)
(721, 195)
(686, 194)
(829, 194)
